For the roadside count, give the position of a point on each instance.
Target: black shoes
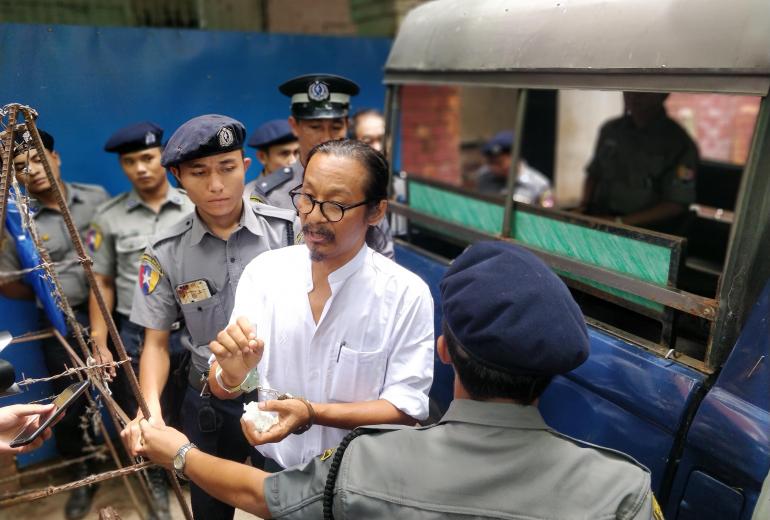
(159, 491)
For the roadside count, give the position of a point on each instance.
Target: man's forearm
(154, 366)
(236, 484)
(353, 415)
(17, 290)
(99, 330)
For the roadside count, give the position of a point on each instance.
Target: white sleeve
(409, 372)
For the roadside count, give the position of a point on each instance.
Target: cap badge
(225, 136)
(149, 138)
(318, 91)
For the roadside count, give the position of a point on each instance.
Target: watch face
(178, 462)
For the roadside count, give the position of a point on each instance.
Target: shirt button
(232, 259)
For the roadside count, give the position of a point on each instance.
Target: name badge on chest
(195, 291)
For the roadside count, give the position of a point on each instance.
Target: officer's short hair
(373, 162)
(482, 382)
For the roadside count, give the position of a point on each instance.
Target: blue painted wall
(87, 81)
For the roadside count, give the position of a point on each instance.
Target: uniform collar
(503, 415)
(248, 220)
(172, 195)
(73, 195)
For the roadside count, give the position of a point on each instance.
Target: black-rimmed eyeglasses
(332, 211)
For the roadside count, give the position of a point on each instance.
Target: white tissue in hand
(262, 421)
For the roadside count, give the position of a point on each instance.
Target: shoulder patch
(257, 198)
(327, 453)
(299, 239)
(150, 273)
(94, 238)
(657, 514)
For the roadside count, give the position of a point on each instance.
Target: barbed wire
(70, 371)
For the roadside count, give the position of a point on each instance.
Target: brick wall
(310, 17)
(430, 132)
(721, 125)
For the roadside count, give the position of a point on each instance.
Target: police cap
(271, 133)
(510, 312)
(319, 96)
(203, 136)
(135, 137)
(500, 143)
(21, 138)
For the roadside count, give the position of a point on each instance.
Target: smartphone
(63, 401)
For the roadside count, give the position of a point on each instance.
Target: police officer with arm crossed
(510, 325)
(194, 268)
(319, 113)
(119, 233)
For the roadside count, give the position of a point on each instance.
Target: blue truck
(679, 373)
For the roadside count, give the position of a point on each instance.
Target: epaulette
(269, 182)
(266, 210)
(175, 230)
(88, 187)
(104, 206)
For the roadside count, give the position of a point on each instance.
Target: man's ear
(246, 164)
(294, 124)
(262, 157)
(377, 213)
(443, 351)
(175, 172)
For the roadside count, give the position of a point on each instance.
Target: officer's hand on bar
(237, 350)
(132, 434)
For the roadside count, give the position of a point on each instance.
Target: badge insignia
(257, 198)
(318, 91)
(149, 138)
(195, 291)
(94, 238)
(299, 239)
(46, 238)
(225, 136)
(326, 454)
(150, 273)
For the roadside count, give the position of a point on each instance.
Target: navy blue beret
(319, 96)
(135, 137)
(271, 133)
(203, 136)
(501, 142)
(510, 312)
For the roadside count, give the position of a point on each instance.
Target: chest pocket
(357, 376)
(128, 251)
(204, 319)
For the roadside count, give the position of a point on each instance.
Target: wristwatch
(181, 458)
(249, 383)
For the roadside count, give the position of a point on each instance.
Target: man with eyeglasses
(345, 331)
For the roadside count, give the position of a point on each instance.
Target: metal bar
(668, 296)
(43, 334)
(513, 173)
(7, 157)
(392, 110)
(746, 269)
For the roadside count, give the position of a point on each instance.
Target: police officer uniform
(483, 459)
(531, 186)
(186, 269)
(82, 201)
(117, 237)
(272, 133)
(316, 96)
(636, 168)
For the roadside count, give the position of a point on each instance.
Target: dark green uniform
(637, 168)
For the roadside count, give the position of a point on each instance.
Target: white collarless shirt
(374, 339)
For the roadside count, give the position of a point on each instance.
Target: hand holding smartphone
(35, 428)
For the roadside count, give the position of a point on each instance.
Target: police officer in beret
(643, 170)
(119, 233)
(319, 113)
(531, 186)
(192, 268)
(82, 200)
(277, 149)
(510, 325)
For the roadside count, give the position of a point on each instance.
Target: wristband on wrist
(223, 386)
(311, 413)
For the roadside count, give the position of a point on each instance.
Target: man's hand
(292, 414)
(132, 433)
(14, 418)
(160, 443)
(237, 350)
(103, 355)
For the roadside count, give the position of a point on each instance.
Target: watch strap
(182, 455)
